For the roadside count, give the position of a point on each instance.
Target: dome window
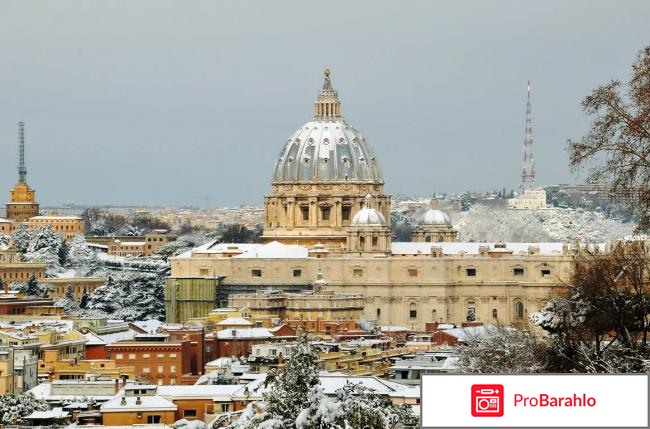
(362, 159)
(306, 160)
(326, 141)
(345, 159)
(290, 159)
(296, 142)
(325, 160)
(310, 141)
(341, 140)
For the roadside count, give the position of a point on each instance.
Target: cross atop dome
(327, 105)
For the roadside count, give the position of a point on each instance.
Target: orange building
(137, 405)
(156, 360)
(54, 368)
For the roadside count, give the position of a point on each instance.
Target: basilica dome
(327, 148)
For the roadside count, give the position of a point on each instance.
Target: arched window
(494, 313)
(427, 239)
(519, 310)
(413, 311)
(378, 313)
(434, 315)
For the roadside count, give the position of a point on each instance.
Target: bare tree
(603, 318)
(617, 147)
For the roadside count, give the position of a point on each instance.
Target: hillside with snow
(492, 224)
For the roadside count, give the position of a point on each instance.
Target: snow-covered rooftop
(276, 249)
(93, 340)
(210, 391)
(147, 403)
(235, 321)
(244, 333)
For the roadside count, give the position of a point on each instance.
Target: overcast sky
(166, 102)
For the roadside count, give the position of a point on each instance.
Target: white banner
(534, 400)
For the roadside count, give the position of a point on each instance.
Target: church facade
(327, 212)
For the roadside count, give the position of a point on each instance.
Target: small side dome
(435, 217)
(368, 215)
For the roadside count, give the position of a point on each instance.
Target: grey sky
(164, 102)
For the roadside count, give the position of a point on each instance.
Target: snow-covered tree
(14, 407)
(83, 259)
(40, 244)
(501, 350)
(295, 400)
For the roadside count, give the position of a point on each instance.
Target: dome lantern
(327, 105)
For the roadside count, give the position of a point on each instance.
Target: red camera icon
(487, 400)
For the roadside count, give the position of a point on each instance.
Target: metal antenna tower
(528, 171)
(22, 170)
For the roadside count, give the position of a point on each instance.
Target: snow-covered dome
(368, 215)
(327, 148)
(435, 217)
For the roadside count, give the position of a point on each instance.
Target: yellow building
(327, 212)
(67, 226)
(530, 199)
(139, 246)
(79, 285)
(20, 272)
(6, 370)
(5, 226)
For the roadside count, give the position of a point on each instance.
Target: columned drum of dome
(321, 178)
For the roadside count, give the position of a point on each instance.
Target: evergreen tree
(32, 286)
(64, 251)
(83, 302)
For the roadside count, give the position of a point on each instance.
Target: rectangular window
(160, 355)
(189, 413)
(518, 271)
(146, 370)
(413, 314)
(153, 419)
(345, 212)
(357, 272)
(297, 273)
(305, 212)
(172, 368)
(413, 272)
(145, 356)
(326, 213)
(131, 355)
(119, 356)
(471, 272)
(203, 271)
(545, 273)
(161, 369)
(225, 408)
(256, 273)
(173, 355)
